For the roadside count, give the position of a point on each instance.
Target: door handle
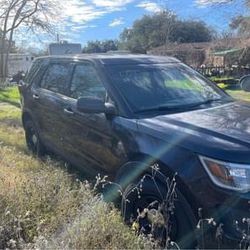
(68, 111)
(35, 96)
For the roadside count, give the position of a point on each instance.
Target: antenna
(57, 38)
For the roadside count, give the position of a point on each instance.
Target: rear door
(50, 99)
(31, 78)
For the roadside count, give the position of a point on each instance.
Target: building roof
(226, 52)
(229, 43)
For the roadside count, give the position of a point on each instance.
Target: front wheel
(148, 202)
(33, 140)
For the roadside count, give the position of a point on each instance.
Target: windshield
(148, 87)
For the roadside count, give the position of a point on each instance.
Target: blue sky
(86, 20)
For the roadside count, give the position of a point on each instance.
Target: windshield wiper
(163, 108)
(183, 107)
(209, 101)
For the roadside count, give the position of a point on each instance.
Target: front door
(90, 136)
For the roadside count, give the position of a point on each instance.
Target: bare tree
(170, 16)
(17, 14)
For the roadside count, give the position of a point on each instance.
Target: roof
(182, 46)
(223, 43)
(112, 59)
(225, 52)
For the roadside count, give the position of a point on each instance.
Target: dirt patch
(14, 123)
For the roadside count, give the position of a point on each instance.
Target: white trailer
(65, 48)
(19, 62)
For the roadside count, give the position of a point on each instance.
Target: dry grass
(37, 195)
(97, 226)
(42, 205)
(11, 131)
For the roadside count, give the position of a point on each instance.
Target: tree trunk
(4, 38)
(6, 63)
(2, 60)
(6, 59)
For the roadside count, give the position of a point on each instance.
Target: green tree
(101, 46)
(155, 30)
(192, 31)
(149, 31)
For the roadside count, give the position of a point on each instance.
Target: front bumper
(232, 210)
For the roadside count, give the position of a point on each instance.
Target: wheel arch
(127, 174)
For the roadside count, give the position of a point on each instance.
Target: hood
(221, 132)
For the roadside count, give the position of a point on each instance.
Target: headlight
(228, 175)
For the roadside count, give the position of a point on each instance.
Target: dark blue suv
(119, 114)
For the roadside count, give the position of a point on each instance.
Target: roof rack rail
(124, 52)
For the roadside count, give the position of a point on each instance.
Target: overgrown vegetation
(41, 204)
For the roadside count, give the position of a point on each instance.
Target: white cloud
(205, 3)
(111, 3)
(116, 22)
(149, 6)
(81, 27)
(80, 12)
(77, 14)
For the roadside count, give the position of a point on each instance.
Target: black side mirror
(95, 105)
(245, 83)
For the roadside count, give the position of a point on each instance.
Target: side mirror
(245, 83)
(95, 105)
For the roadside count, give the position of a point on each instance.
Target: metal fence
(232, 72)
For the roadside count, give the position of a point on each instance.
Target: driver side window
(86, 83)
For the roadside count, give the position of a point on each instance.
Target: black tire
(183, 220)
(33, 140)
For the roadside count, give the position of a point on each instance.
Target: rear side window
(33, 71)
(86, 83)
(56, 78)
